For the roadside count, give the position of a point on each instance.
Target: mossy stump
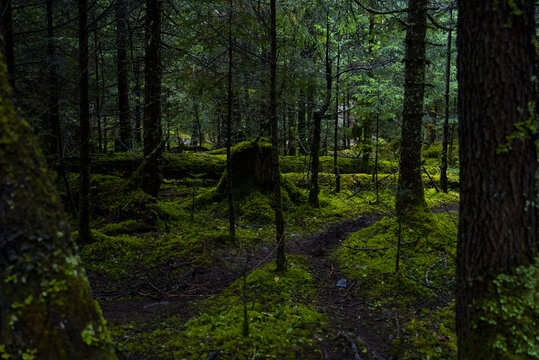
(250, 167)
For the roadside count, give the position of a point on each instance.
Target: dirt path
(350, 320)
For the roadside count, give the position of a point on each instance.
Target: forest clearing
(226, 179)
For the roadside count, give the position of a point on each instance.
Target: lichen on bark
(46, 304)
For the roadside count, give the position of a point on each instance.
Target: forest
(269, 179)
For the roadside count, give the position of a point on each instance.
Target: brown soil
(350, 319)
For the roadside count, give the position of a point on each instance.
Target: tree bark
(54, 143)
(229, 181)
(125, 142)
(302, 128)
(279, 219)
(44, 287)
(292, 131)
(445, 140)
(336, 133)
(151, 179)
(318, 115)
(84, 192)
(498, 159)
(410, 193)
(6, 29)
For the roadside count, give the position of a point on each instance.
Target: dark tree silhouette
(498, 158)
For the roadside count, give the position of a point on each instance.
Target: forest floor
(348, 315)
(171, 283)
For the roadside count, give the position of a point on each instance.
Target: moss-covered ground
(170, 279)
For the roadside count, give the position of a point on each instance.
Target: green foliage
(282, 323)
(512, 305)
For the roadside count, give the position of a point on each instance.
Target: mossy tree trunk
(46, 305)
(84, 106)
(410, 193)
(498, 159)
(153, 146)
(276, 173)
(125, 141)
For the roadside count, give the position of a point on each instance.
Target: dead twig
(352, 344)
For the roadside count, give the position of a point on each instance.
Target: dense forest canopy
(246, 179)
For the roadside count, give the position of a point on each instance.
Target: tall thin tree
(230, 194)
(84, 108)
(125, 141)
(445, 139)
(279, 218)
(153, 146)
(317, 128)
(410, 193)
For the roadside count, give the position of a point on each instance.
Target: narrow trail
(348, 316)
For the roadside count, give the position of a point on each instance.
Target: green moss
(427, 240)
(430, 334)
(300, 164)
(433, 151)
(175, 166)
(282, 322)
(256, 208)
(126, 227)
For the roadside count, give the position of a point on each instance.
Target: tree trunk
(410, 193)
(6, 30)
(230, 195)
(84, 193)
(44, 288)
(498, 160)
(336, 134)
(137, 90)
(445, 140)
(54, 143)
(279, 219)
(367, 124)
(291, 131)
(98, 93)
(151, 179)
(302, 128)
(315, 146)
(125, 142)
